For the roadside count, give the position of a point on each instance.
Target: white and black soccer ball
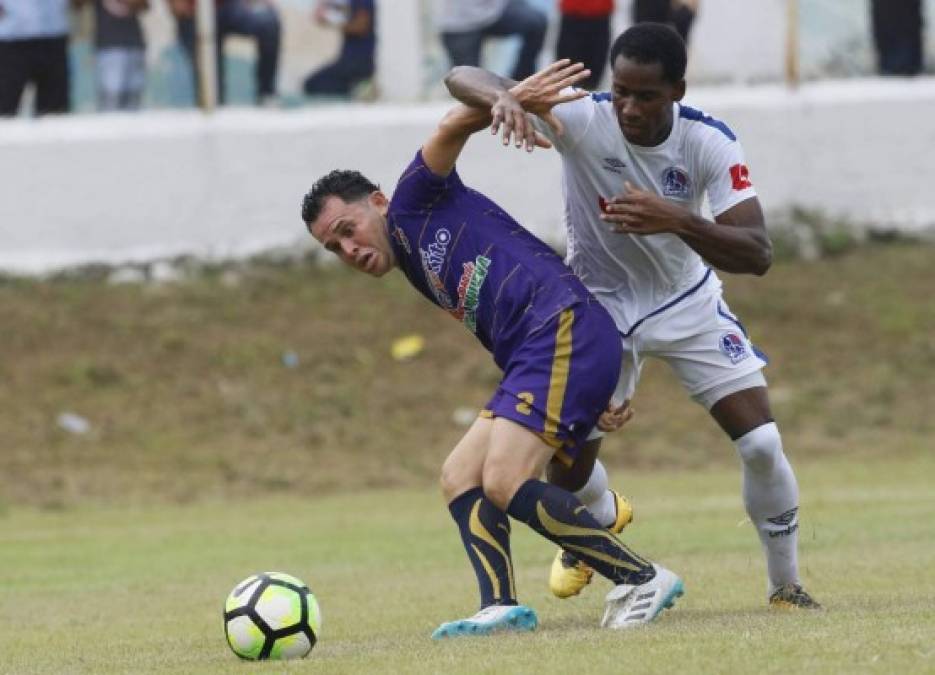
(271, 616)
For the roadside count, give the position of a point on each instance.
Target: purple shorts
(561, 378)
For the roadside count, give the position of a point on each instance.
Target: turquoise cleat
(493, 619)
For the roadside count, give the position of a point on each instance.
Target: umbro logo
(784, 519)
(614, 165)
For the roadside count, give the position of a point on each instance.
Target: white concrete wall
(738, 41)
(118, 188)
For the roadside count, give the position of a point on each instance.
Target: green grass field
(96, 589)
(208, 459)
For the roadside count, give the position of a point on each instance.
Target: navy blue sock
(558, 515)
(485, 533)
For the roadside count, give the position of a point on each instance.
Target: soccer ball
(271, 616)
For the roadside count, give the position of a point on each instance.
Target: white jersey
(637, 276)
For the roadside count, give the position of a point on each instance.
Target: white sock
(596, 496)
(771, 495)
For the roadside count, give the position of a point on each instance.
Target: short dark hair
(348, 185)
(653, 43)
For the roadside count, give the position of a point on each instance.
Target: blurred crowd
(34, 38)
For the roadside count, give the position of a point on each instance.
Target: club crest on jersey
(472, 279)
(675, 183)
(432, 261)
(733, 346)
(614, 165)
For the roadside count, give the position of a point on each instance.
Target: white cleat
(493, 619)
(629, 606)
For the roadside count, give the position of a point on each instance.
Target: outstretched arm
(477, 87)
(540, 91)
(508, 101)
(443, 147)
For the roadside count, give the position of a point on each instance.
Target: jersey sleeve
(419, 189)
(727, 175)
(575, 117)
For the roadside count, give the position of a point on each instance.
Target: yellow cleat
(792, 596)
(624, 514)
(569, 575)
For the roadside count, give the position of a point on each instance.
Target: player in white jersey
(636, 167)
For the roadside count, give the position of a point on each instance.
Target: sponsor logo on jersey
(675, 183)
(432, 261)
(403, 240)
(733, 346)
(472, 279)
(614, 165)
(740, 177)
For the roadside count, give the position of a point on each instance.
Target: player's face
(356, 232)
(643, 101)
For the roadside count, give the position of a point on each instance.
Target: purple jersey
(466, 255)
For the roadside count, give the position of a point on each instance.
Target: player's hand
(615, 417)
(537, 94)
(542, 91)
(508, 115)
(515, 123)
(638, 211)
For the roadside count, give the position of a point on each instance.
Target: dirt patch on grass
(279, 379)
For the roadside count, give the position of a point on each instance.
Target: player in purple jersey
(558, 348)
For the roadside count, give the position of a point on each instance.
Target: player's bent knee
(454, 480)
(500, 483)
(499, 493)
(761, 448)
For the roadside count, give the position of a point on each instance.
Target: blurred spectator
(257, 19)
(120, 53)
(465, 24)
(584, 35)
(680, 14)
(34, 49)
(897, 36)
(356, 62)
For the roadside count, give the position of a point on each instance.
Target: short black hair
(653, 43)
(348, 185)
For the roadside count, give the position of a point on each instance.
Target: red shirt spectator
(591, 8)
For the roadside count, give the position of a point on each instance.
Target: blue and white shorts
(705, 345)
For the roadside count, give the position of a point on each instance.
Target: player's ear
(379, 201)
(678, 91)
